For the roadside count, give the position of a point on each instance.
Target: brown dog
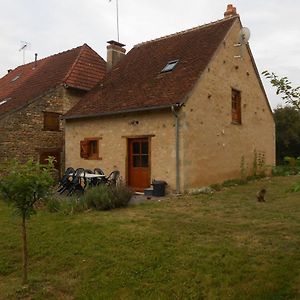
(261, 195)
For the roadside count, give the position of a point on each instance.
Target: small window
(170, 66)
(89, 148)
(236, 106)
(51, 121)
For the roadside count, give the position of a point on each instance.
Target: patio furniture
(112, 179)
(100, 179)
(64, 182)
(78, 183)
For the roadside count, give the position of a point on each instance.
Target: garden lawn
(220, 246)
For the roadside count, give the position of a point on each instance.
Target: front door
(139, 163)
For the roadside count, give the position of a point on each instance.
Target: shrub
(53, 205)
(216, 187)
(103, 197)
(233, 182)
(296, 187)
(99, 198)
(73, 205)
(121, 195)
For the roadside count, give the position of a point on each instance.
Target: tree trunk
(25, 258)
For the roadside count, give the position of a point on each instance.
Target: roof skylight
(4, 101)
(16, 78)
(170, 66)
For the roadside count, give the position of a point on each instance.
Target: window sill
(236, 123)
(93, 158)
(54, 130)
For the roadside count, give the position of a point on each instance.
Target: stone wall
(214, 147)
(22, 133)
(114, 131)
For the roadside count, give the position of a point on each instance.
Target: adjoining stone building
(188, 108)
(33, 98)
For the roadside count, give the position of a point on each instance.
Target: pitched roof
(137, 83)
(80, 68)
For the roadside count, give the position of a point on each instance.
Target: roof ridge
(43, 59)
(186, 31)
(74, 63)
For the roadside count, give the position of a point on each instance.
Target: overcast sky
(54, 26)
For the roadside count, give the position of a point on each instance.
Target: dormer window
(170, 66)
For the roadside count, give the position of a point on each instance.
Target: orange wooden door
(139, 163)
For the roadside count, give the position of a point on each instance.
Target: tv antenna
(117, 8)
(24, 46)
(244, 36)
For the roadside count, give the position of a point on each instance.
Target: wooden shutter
(84, 149)
(51, 121)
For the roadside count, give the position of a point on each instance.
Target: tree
(287, 120)
(21, 186)
(284, 88)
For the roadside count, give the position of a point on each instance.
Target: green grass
(220, 246)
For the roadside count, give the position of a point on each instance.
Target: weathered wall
(113, 145)
(213, 147)
(22, 133)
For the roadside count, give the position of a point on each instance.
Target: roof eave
(140, 109)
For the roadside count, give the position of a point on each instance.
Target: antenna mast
(117, 8)
(24, 47)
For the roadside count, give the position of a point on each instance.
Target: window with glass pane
(236, 106)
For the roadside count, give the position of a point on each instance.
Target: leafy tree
(21, 186)
(287, 120)
(284, 88)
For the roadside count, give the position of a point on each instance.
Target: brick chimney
(115, 52)
(231, 11)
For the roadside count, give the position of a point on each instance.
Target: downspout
(176, 145)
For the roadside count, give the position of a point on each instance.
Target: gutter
(176, 116)
(120, 112)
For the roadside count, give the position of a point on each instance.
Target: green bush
(66, 205)
(103, 197)
(73, 205)
(121, 195)
(99, 198)
(53, 205)
(285, 170)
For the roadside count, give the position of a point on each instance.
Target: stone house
(34, 96)
(188, 108)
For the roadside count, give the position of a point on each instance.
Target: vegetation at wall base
(101, 197)
(224, 245)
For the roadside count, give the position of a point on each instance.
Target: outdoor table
(88, 175)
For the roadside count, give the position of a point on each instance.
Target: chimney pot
(230, 11)
(115, 52)
(35, 59)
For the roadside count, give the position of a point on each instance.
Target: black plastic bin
(159, 188)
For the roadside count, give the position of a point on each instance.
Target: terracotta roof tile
(137, 83)
(80, 68)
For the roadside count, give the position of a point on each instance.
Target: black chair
(90, 181)
(98, 171)
(99, 180)
(64, 182)
(78, 183)
(112, 179)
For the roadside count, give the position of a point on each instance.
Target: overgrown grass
(224, 245)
